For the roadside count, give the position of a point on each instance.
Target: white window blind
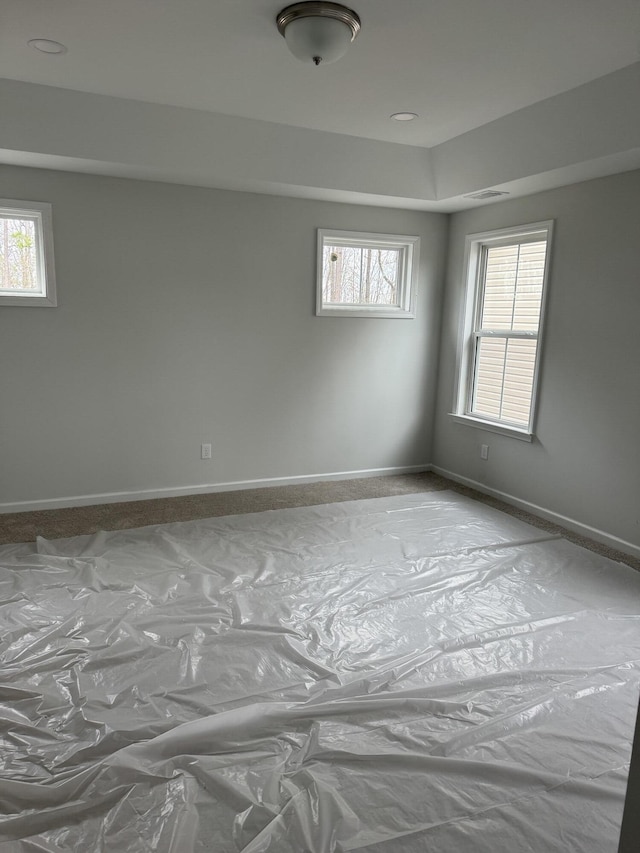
(507, 337)
(506, 285)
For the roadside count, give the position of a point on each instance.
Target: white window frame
(40, 213)
(475, 245)
(409, 247)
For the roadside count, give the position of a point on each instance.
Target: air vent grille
(483, 194)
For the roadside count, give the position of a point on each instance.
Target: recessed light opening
(404, 116)
(47, 46)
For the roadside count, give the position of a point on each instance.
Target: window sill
(490, 426)
(388, 312)
(39, 300)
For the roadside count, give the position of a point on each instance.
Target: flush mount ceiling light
(318, 32)
(47, 46)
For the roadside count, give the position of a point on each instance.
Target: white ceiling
(459, 64)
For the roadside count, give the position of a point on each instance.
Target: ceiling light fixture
(404, 116)
(47, 46)
(318, 32)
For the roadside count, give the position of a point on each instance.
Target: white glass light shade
(315, 38)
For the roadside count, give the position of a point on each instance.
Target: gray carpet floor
(75, 521)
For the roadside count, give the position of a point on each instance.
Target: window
(500, 346)
(366, 275)
(26, 254)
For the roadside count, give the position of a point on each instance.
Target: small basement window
(366, 275)
(27, 274)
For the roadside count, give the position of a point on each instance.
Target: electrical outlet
(484, 451)
(205, 451)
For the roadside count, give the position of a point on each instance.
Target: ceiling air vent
(483, 194)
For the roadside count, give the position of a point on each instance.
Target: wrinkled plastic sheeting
(401, 674)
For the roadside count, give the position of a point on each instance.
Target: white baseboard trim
(209, 488)
(534, 509)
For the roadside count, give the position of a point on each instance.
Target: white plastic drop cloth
(398, 675)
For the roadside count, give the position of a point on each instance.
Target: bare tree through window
(27, 269)
(17, 254)
(366, 274)
(361, 276)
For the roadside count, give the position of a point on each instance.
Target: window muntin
(507, 272)
(366, 275)
(26, 254)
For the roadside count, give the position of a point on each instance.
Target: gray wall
(186, 315)
(585, 463)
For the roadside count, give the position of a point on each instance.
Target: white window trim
(474, 244)
(40, 212)
(410, 246)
